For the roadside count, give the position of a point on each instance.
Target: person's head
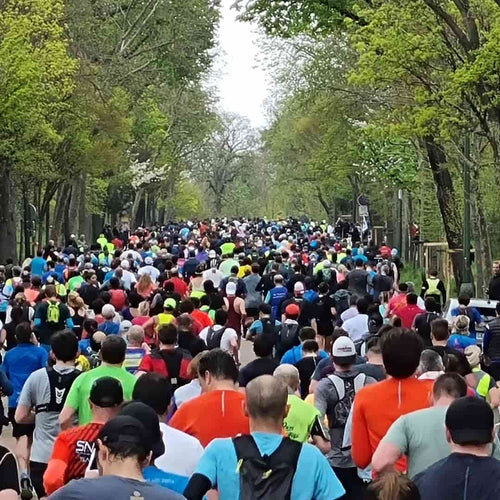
(292, 311)
(155, 391)
(64, 345)
(220, 317)
(265, 310)
(50, 292)
(144, 283)
(16, 314)
(184, 323)
(403, 288)
(113, 350)
(23, 333)
(373, 351)
(36, 282)
(462, 324)
(168, 335)
(278, 279)
(496, 267)
(430, 361)
(469, 423)
(310, 348)
(307, 333)
(473, 355)
(216, 368)
(135, 336)
(186, 307)
(262, 347)
(289, 375)
(401, 351)
(106, 398)
(298, 289)
(411, 299)
(255, 268)
(114, 283)
(463, 300)
(108, 312)
(392, 485)
(231, 289)
(359, 263)
(431, 304)
(343, 353)
(96, 340)
(362, 305)
(267, 400)
(440, 330)
(193, 365)
(449, 386)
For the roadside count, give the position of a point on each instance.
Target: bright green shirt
(78, 397)
(227, 248)
(300, 419)
(75, 282)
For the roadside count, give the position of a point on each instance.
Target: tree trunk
(84, 218)
(74, 208)
(135, 208)
(62, 202)
(448, 206)
(7, 213)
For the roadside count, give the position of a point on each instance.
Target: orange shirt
(216, 414)
(202, 317)
(376, 407)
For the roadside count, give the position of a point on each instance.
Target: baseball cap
(470, 420)
(124, 429)
(106, 392)
(292, 310)
(169, 304)
(298, 287)
(149, 419)
(124, 264)
(344, 351)
(231, 288)
(148, 261)
(212, 254)
(108, 311)
(125, 326)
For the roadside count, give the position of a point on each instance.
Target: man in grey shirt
(42, 399)
(358, 280)
(333, 397)
(253, 298)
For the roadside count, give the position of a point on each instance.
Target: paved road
(246, 355)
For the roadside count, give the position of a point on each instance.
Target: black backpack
(173, 361)
(60, 384)
(289, 336)
(214, 338)
(267, 477)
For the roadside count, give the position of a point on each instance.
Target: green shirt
(75, 282)
(80, 390)
(300, 419)
(227, 248)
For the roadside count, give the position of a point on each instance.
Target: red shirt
(408, 313)
(202, 318)
(155, 362)
(180, 286)
(117, 242)
(215, 414)
(118, 299)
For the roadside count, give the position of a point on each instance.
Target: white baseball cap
(231, 288)
(298, 287)
(125, 264)
(148, 261)
(212, 254)
(344, 351)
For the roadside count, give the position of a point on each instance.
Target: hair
(16, 314)
(153, 390)
(219, 364)
(310, 346)
(114, 283)
(464, 300)
(186, 306)
(403, 287)
(255, 268)
(307, 333)
(392, 486)
(262, 347)
(113, 350)
(449, 384)
(401, 351)
(23, 333)
(323, 287)
(135, 335)
(265, 309)
(167, 335)
(373, 346)
(439, 329)
(64, 345)
(193, 364)
(430, 361)
(337, 333)
(36, 281)
(411, 299)
(267, 396)
(50, 291)
(220, 317)
(144, 283)
(144, 308)
(431, 304)
(184, 323)
(462, 324)
(362, 306)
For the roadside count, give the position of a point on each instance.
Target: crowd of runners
(122, 369)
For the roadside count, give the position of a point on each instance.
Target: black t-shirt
(46, 329)
(256, 368)
(323, 315)
(375, 371)
(191, 343)
(454, 357)
(381, 284)
(306, 367)
(10, 329)
(423, 326)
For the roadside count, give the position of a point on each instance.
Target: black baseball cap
(469, 420)
(149, 419)
(106, 392)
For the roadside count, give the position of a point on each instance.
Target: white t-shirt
(187, 392)
(128, 279)
(213, 275)
(151, 270)
(225, 342)
(356, 327)
(182, 452)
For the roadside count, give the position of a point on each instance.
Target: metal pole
(467, 285)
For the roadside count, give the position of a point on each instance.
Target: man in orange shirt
(377, 406)
(398, 300)
(219, 411)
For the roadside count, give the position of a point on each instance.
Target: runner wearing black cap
(469, 472)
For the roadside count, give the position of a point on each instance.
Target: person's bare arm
(322, 444)
(139, 374)
(24, 415)
(66, 417)
(385, 456)
(234, 345)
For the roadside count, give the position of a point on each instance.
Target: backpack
(346, 389)
(433, 288)
(53, 312)
(289, 336)
(60, 384)
(267, 477)
(173, 362)
(214, 338)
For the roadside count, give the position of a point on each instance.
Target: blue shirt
(109, 328)
(294, 355)
(165, 479)
(84, 346)
(257, 328)
(19, 363)
(38, 266)
(314, 478)
(460, 342)
(476, 318)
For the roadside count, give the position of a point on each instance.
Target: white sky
(241, 84)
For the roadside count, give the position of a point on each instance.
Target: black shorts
(19, 430)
